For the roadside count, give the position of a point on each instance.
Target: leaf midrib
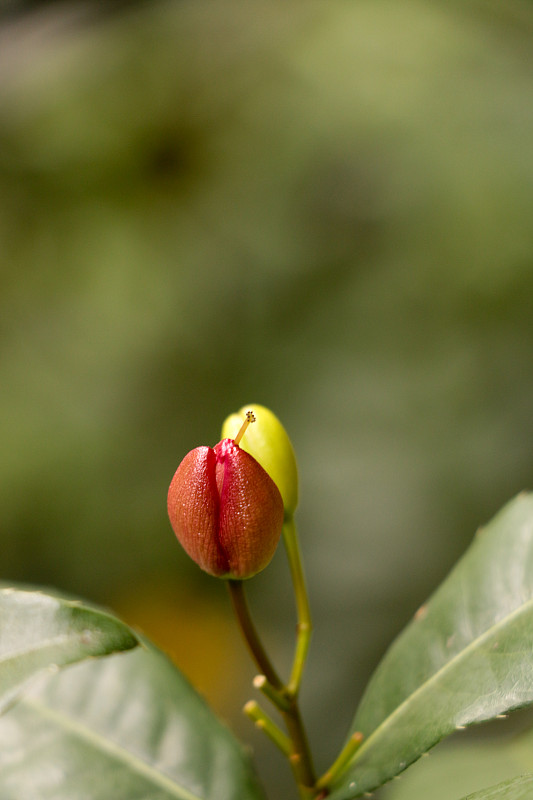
(43, 645)
(436, 675)
(113, 749)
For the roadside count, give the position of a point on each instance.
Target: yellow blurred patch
(196, 630)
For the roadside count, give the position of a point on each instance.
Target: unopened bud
(226, 511)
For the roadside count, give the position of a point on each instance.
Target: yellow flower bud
(269, 444)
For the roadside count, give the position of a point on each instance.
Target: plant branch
(272, 686)
(300, 757)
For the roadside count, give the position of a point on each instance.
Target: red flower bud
(225, 510)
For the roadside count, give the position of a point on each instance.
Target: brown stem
(251, 637)
(300, 759)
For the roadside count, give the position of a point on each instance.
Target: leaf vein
(449, 665)
(111, 748)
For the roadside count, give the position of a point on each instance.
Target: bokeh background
(326, 208)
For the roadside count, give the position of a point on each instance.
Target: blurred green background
(326, 208)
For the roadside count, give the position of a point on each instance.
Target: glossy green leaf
(466, 656)
(520, 788)
(39, 631)
(128, 727)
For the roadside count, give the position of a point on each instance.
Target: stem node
(275, 697)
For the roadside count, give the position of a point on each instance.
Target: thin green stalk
(264, 723)
(305, 625)
(348, 751)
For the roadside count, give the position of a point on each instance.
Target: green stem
(305, 625)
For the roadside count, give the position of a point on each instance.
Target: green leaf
(466, 656)
(39, 631)
(520, 788)
(128, 727)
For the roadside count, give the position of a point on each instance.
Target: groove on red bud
(225, 510)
